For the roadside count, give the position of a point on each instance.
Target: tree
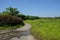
(22, 16)
(12, 11)
(5, 13)
(0, 13)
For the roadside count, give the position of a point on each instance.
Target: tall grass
(5, 27)
(45, 29)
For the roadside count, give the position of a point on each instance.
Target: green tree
(12, 11)
(5, 13)
(22, 16)
(0, 13)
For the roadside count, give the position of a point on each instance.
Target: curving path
(24, 33)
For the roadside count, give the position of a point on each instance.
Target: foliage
(5, 27)
(31, 17)
(24, 17)
(45, 29)
(12, 11)
(10, 20)
(5, 13)
(57, 17)
(15, 12)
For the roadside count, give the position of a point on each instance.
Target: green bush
(10, 20)
(22, 16)
(27, 17)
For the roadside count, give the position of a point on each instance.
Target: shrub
(22, 16)
(27, 17)
(10, 20)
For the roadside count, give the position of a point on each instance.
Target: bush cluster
(10, 20)
(24, 17)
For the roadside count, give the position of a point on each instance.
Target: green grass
(45, 29)
(4, 27)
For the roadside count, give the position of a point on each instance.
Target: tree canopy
(12, 11)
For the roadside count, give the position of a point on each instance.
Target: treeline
(27, 17)
(15, 12)
(49, 17)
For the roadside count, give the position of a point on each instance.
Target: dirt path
(24, 33)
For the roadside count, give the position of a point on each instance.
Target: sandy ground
(24, 34)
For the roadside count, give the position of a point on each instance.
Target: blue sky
(42, 8)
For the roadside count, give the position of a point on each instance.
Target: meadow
(45, 29)
(5, 27)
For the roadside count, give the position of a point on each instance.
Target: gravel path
(24, 33)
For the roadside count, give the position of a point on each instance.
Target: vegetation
(27, 17)
(5, 27)
(45, 29)
(12, 11)
(9, 22)
(9, 19)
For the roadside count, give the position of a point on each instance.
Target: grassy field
(45, 29)
(4, 27)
